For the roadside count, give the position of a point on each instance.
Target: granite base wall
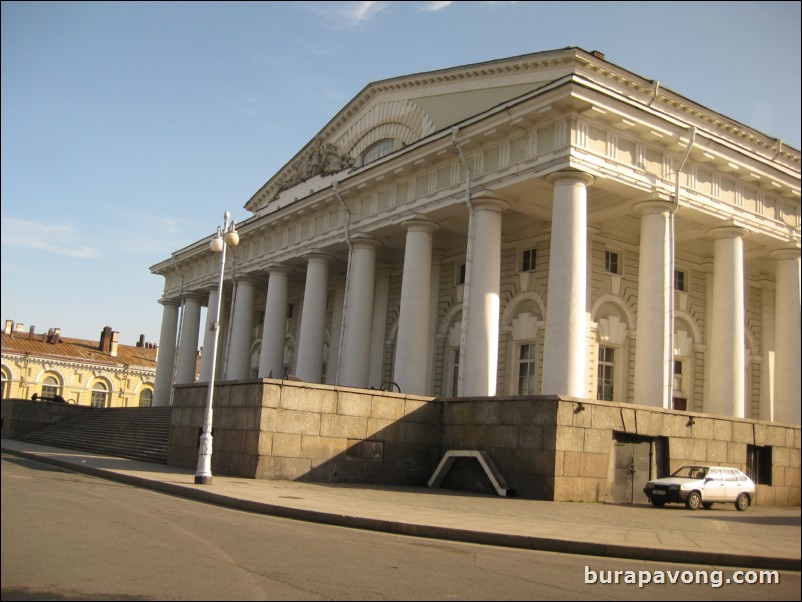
(547, 447)
(20, 416)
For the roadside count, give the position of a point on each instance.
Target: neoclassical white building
(543, 224)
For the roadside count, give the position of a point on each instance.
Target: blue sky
(128, 128)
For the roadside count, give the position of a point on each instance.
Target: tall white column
(313, 319)
(208, 337)
(565, 354)
(727, 328)
(480, 353)
(355, 359)
(378, 329)
(767, 331)
(787, 387)
(412, 342)
(166, 363)
(271, 359)
(239, 354)
(654, 320)
(188, 346)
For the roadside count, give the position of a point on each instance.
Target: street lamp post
(226, 237)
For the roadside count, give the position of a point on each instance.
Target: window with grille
(526, 369)
(606, 373)
(50, 387)
(100, 395)
(611, 262)
(528, 260)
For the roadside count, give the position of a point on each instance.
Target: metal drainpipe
(672, 243)
(347, 280)
(469, 250)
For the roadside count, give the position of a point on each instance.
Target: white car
(697, 486)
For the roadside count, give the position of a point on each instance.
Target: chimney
(105, 340)
(114, 343)
(141, 342)
(19, 327)
(56, 335)
(598, 54)
(31, 333)
(9, 327)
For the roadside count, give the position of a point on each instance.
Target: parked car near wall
(703, 486)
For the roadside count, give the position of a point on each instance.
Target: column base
(199, 480)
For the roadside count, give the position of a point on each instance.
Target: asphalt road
(68, 536)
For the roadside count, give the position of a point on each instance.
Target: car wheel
(742, 502)
(658, 503)
(707, 505)
(694, 501)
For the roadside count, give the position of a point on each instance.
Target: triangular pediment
(404, 110)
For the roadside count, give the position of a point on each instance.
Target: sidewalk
(761, 537)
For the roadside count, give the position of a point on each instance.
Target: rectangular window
(679, 280)
(758, 464)
(528, 260)
(604, 384)
(611, 262)
(526, 369)
(290, 309)
(678, 399)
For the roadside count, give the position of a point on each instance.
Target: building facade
(546, 224)
(100, 373)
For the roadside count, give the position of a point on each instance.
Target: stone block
(606, 417)
(775, 435)
(304, 399)
(248, 418)
(680, 450)
(502, 435)
(794, 458)
(286, 469)
(778, 476)
(457, 412)
(760, 434)
(569, 438)
(387, 408)
(265, 446)
(703, 428)
(354, 404)
(323, 447)
(675, 425)
(572, 464)
(286, 445)
(530, 437)
(517, 412)
(563, 489)
(780, 456)
(628, 418)
(421, 410)
(545, 411)
(742, 432)
(486, 412)
(716, 451)
(586, 489)
(559, 462)
(290, 421)
(252, 442)
(736, 453)
(765, 496)
(271, 395)
(348, 427)
(418, 432)
(793, 477)
(598, 441)
(722, 430)
(650, 423)
(455, 436)
(790, 437)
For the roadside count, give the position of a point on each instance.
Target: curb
(527, 542)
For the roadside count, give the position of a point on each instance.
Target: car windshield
(691, 472)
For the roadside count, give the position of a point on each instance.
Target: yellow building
(100, 373)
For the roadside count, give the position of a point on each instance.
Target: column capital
(789, 252)
(246, 279)
(653, 206)
(195, 297)
(278, 268)
(571, 174)
(363, 241)
(488, 202)
(729, 230)
(318, 256)
(174, 302)
(418, 223)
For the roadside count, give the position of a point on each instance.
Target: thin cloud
(351, 14)
(59, 239)
(433, 7)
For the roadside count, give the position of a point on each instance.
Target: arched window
(377, 150)
(146, 398)
(50, 387)
(6, 376)
(100, 395)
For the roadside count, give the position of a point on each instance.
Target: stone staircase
(135, 433)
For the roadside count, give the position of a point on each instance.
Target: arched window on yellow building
(100, 395)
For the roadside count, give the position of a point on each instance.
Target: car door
(714, 486)
(732, 484)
